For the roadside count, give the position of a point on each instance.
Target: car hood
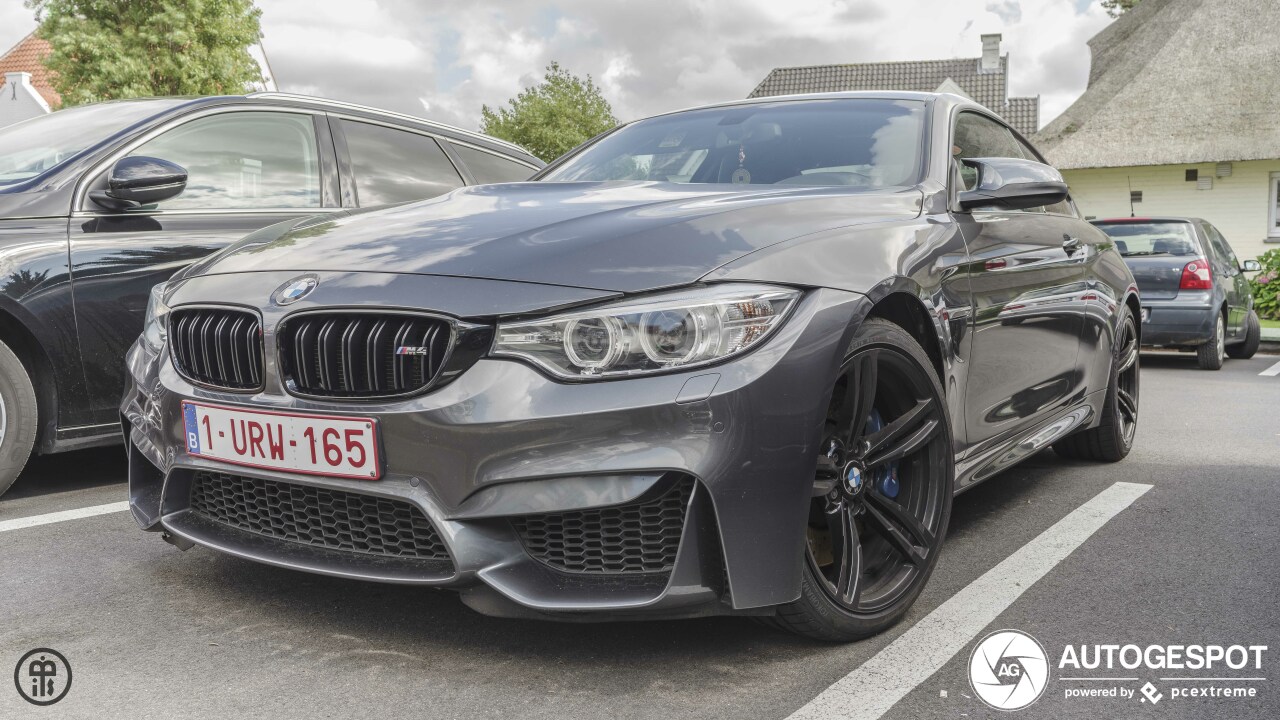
(622, 237)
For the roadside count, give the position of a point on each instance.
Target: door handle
(1070, 244)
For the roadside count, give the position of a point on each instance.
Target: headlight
(156, 328)
(674, 330)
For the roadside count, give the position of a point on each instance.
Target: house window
(1273, 214)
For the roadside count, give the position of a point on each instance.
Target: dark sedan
(1195, 296)
(99, 203)
(732, 360)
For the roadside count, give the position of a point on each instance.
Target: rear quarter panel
(1113, 286)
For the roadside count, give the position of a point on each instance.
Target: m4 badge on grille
(413, 350)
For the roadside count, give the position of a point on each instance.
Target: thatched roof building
(1176, 82)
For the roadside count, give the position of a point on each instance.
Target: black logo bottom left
(43, 676)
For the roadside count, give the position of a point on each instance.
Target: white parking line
(1272, 371)
(33, 520)
(873, 688)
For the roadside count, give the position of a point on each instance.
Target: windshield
(1152, 238)
(37, 145)
(865, 143)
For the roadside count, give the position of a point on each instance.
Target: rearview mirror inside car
(137, 180)
(1012, 184)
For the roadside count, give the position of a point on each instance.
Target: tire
(919, 483)
(1212, 354)
(1112, 439)
(1252, 338)
(18, 417)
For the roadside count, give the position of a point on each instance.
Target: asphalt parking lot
(152, 632)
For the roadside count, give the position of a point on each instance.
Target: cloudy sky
(445, 58)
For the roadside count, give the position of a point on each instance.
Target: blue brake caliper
(886, 477)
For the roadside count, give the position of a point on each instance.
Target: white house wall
(18, 100)
(1237, 205)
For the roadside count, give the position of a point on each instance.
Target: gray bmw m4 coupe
(730, 360)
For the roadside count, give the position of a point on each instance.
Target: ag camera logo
(1009, 670)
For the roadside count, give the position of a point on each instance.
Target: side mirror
(1251, 266)
(136, 181)
(1012, 184)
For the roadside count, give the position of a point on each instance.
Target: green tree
(113, 49)
(552, 117)
(1116, 8)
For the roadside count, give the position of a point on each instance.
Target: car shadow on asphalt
(77, 470)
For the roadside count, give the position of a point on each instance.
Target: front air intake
(326, 518)
(633, 539)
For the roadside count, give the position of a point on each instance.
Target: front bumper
(504, 442)
(1186, 320)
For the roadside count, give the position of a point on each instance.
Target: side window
(978, 136)
(392, 166)
(490, 168)
(1220, 246)
(242, 160)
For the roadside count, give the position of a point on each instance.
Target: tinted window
(392, 166)
(243, 160)
(860, 143)
(978, 136)
(34, 146)
(489, 168)
(1153, 238)
(1220, 245)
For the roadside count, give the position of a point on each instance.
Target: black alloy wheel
(1126, 406)
(881, 493)
(1112, 439)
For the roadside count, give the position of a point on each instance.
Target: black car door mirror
(138, 180)
(1251, 266)
(1012, 184)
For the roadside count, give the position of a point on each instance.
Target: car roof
(487, 142)
(948, 98)
(1147, 219)
(461, 133)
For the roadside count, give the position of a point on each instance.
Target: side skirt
(991, 461)
(81, 437)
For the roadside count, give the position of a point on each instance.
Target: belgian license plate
(1146, 314)
(309, 444)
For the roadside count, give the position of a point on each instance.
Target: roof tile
(987, 88)
(28, 56)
